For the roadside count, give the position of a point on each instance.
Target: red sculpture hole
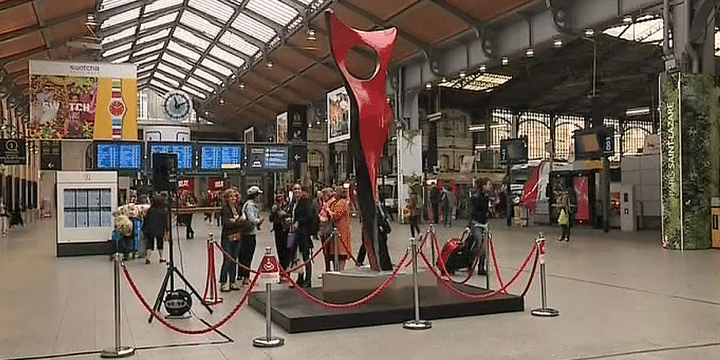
(363, 62)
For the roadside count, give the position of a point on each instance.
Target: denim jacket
(252, 213)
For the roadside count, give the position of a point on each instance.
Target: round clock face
(117, 108)
(176, 105)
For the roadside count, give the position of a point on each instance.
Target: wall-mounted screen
(268, 157)
(513, 151)
(184, 151)
(215, 157)
(114, 155)
(594, 143)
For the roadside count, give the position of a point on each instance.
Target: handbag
(290, 239)
(235, 236)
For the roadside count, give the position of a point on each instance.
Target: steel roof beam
(212, 42)
(131, 51)
(195, 87)
(460, 14)
(137, 31)
(103, 15)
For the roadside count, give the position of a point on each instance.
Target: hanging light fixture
(483, 68)
(221, 101)
(269, 64)
(311, 34)
(558, 43)
(505, 61)
(242, 86)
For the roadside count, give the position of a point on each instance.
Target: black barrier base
(294, 313)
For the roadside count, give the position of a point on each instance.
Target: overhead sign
(13, 152)
(268, 158)
(51, 155)
(513, 151)
(338, 113)
(594, 143)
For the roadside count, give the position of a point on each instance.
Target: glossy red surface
(375, 114)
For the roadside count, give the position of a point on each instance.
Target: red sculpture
(371, 117)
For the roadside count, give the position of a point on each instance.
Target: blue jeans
(478, 232)
(229, 268)
(447, 216)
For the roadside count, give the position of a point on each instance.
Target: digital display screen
(513, 151)
(118, 156)
(588, 143)
(268, 157)
(594, 143)
(214, 156)
(184, 152)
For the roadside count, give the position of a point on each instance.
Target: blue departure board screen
(184, 152)
(214, 156)
(118, 156)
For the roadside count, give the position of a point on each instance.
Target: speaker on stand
(164, 172)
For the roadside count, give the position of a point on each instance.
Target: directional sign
(13, 152)
(299, 153)
(51, 155)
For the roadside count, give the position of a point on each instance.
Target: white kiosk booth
(86, 201)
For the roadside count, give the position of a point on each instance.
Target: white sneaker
(225, 287)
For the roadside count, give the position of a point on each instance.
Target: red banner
(531, 189)
(583, 203)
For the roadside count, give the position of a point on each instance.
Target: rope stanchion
(370, 297)
(475, 297)
(170, 326)
(544, 311)
(270, 269)
(210, 283)
(416, 324)
(495, 262)
(118, 351)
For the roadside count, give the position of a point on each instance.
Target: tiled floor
(620, 296)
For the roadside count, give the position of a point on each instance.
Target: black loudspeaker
(164, 172)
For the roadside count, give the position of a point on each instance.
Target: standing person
(279, 217)
(247, 246)
(190, 201)
(478, 223)
(154, 227)
(415, 207)
(339, 212)
(230, 241)
(435, 203)
(564, 217)
(302, 223)
(446, 205)
(4, 218)
(326, 225)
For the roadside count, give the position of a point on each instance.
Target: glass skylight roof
(226, 56)
(160, 4)
(213, 8)
(647, 28)
(477, 82)
(193, 44)
(236, 42)
(158, 35)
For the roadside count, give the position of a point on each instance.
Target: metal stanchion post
(118, 351)
(488, 258)
(212, 284)
(416, 324)
(268, 340)
(544, 311)
(336, 260)
(432, 244)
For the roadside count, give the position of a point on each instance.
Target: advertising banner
(71, 100)
(689, 114)
(583, 200)
(281, 127)
(297, 123)
(338, 112)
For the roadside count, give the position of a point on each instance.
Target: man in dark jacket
(303, 219)
(478, 223)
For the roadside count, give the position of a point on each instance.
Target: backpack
(243, 223)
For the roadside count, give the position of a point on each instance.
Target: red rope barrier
(532, 274)
(475, 297)
(495, 262)
(350, 255)
(159, 318)
(370, 297)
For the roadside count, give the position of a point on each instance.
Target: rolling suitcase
(457, 254)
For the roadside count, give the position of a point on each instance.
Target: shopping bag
(291, 239)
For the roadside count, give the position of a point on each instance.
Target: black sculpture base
(295, 314)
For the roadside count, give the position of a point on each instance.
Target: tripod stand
(172, 271)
